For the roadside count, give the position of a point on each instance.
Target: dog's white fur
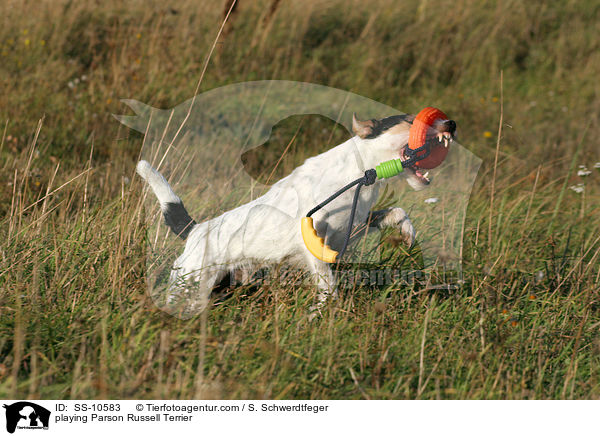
(267, 230)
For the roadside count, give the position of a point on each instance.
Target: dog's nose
(450, 126)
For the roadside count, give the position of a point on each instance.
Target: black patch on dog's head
(380, 126)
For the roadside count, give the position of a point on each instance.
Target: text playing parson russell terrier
(267, 229)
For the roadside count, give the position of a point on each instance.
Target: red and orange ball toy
(417, 135)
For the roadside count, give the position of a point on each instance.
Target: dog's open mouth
(422, 177)
(445, 137)
(434, 140)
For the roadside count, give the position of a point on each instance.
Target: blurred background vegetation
(75, 319)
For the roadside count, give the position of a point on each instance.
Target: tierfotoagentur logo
(25, 415)
(198, 145)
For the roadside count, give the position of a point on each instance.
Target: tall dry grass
(75, 319)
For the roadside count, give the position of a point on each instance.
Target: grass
(75, 317)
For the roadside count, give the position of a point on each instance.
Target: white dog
(267, 230)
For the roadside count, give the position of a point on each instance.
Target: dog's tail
(176, 216)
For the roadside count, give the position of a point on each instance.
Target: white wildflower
(583, 171)
(432, 200)
(539, 276)
(597, 165)
(579, 188)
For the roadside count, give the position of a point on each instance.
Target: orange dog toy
(418, 134)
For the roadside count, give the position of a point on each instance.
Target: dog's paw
(315, 311)
(397, 218)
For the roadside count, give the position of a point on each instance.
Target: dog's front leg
(325, 281)
(396, 218)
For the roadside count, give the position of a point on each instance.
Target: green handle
(389, 168)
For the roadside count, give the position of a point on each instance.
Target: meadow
(520, 79)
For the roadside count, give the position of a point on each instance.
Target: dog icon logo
(26, 415)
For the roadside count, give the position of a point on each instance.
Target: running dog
(267, 229)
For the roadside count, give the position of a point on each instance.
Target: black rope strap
(412, 154)
(369, 178)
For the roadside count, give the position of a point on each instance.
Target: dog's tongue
(423, 177)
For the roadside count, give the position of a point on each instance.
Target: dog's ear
(362, 128)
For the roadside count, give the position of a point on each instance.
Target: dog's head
(390, 135)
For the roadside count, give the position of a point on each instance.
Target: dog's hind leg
(189, 291)
(196, 272)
